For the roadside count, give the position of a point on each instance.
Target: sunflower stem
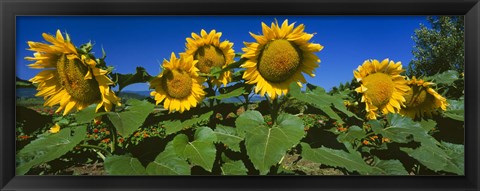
(274, 112)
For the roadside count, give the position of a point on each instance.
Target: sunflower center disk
(380, 88)
(279, 61)
(209, 56)
(71, 75)
(417, 96)
(177, 84)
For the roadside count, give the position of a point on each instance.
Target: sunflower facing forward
(69, 78)
(178, 84)
(279, 57)
(210, 52)
(422, 99)
(382, 86)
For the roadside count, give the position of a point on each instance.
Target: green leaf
(399, 129)
(124, 80)
(168, 163)
(321, 100)
(428, 125)
(247, 121)
(87, 114)
(123, 165)
(447, 77)
(201, 151)
(266, 146)
(354, 132)
(234, 93)
(429, 155)
(389, 167)
(128, 121)
(456, 163)
(455, 110)
(172, 127)
(228, 136)
(336, 158)
(49, 147)
(234, 168)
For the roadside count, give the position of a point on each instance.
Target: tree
(439, 48)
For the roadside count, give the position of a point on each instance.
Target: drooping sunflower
(382, 86)
(210, 52)
(422, 100)
(178, 85)
(69, 78)
(279, 57)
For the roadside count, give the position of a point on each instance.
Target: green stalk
(274, 112)
(97, 148)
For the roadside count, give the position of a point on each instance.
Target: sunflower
(382, 86)
(69, 78)
(178, 84)
(279, 57)
(422, 99)
(210, 52)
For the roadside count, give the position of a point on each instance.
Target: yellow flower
(210, 52)
(382, 86)
(422, 99)
(54, 129)
(278, 58)
(69, 78)
(178, 84)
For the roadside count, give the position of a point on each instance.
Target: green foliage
(444, 78)
(389, 167)
(267, 145)
(234, 168)
(168, 163)
(321, 100)
(177, 125)
(199, 152)
(123, 165)
(49, 147)
(228, 136)
(455, 110)
(439, 48)
(352, 161)
(233, 93)
(353, 133)
(124, 80)
(128, 121)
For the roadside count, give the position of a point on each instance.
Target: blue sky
(132, 41)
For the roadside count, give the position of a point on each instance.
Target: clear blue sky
(131, 41)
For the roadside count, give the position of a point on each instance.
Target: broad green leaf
(123, 165)
(321, 100)
(455, 110)
(228, 136)
(456, 163)
(247, 121)
(87, 114)
(429, 155)
(336, 158)
(233, 93)
(354, 132)
(399, 128)
(389, 167)
(428, 125)
(234, 168)
(168, 163)
(124, 80)
(201, 151)
(266, 146)
(172, 127)
(447, 77)
(49, 147)
(128, 121)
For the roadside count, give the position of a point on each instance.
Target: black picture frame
(9, 9)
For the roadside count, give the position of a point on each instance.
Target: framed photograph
(240, 95)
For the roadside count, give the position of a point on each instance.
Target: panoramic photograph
(240, 95)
